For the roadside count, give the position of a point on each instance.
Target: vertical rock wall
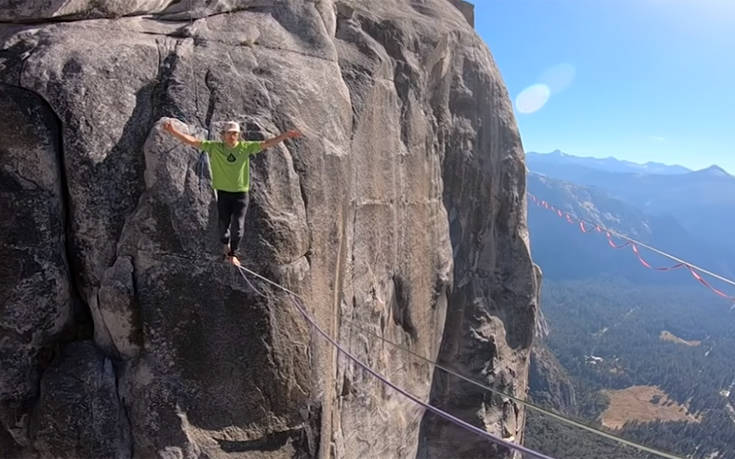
(492, 306)
(402, 207)
(36, 293)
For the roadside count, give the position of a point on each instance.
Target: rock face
(26, 11)
(549, 382)
(36, 294)
(492, 306)
(79, 395)
(122, 332)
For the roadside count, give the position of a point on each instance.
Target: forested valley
(609, 334)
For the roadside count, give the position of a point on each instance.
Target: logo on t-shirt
(231, 158)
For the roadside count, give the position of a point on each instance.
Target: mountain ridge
(702, 202)
(609, 163)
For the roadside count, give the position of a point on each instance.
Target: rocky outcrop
(549, 383)
(401, 207)
(467, 9)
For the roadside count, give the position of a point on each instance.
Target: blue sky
(641, 80)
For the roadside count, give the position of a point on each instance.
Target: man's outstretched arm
(291, 134)
(169, 127)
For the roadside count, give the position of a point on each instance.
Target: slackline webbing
(443, 414)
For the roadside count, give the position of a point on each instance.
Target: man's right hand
(169, 126)
(293, 134)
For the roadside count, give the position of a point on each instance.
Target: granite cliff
(402, 211)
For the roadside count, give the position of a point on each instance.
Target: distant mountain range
(690, 214)
(558, 159)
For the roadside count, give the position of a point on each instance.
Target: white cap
(231, 126)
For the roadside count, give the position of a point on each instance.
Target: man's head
(231, 133)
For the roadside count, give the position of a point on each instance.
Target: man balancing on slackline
(230, 162)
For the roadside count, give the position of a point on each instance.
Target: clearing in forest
(642, 404)
(668, 336)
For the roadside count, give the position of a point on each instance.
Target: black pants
(231, 210)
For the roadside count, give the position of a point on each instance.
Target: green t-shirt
(230, 166)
